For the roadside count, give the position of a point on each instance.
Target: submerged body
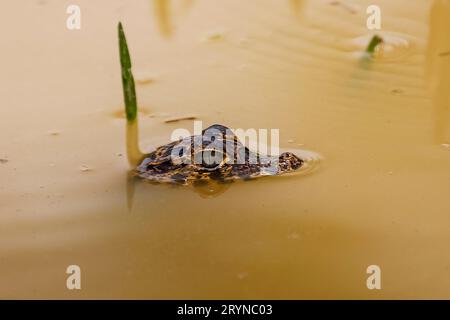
(215, 155)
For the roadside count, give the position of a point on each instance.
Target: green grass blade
(376, 40)
(129, 91)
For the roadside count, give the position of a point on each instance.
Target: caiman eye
(212, 159)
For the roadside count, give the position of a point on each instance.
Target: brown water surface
(382, 127)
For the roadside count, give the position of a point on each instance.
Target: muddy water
(382, 127)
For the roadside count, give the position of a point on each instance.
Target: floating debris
(446, 145)
(3, 160)
(145, 77)
(85, 168)
(214, 35)
(53, 132)
(290, 141)
(445, 53)
(396, 91)
(176, 119)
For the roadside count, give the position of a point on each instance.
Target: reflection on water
(297, 6)
(209, 189)
(163, 16)
(439, 68)
(205, 189)
(130, 183)
(187, 5)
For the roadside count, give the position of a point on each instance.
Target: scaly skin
(235, 161)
